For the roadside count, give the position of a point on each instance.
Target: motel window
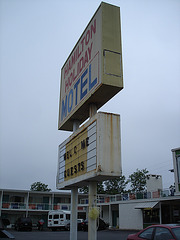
(68, 216)
(151, 216)
(5, 198)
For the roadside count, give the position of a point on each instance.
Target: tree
(100, 188)
(138, 180)
(116, 185)
(84, 189)
(38, 186)
(112, 186)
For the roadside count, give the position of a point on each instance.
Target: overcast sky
(36, 38)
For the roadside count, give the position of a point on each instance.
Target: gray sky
(36, 38)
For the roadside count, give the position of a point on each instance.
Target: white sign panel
(93, 151)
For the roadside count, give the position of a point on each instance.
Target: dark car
(23, 223)
(158, 232)
(79, 225)
(4, 233)
(101, 225)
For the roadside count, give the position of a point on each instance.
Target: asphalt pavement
(65, 235)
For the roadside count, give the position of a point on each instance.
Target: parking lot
(65, 235)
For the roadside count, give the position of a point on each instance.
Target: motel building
(123, 211)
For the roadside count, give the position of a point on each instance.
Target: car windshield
(176, 232)
(25, 220)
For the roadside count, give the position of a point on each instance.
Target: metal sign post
(74, 201)
(73, 220)
(92, 223)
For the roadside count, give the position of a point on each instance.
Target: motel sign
(93, 71)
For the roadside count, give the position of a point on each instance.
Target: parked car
(158, 232)
(101, 225)
(4, 233)
(23, 223)
(79, 225)
(5, 222)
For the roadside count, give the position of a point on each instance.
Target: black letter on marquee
(71, 171)
(75, 168)
(82, 166)
(83, 144)
(79, 165)
(87, 141)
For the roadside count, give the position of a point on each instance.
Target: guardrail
(35, 206)
(100, 200)
(13, 205)
(130, 196)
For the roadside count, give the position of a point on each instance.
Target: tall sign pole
(92, 222)
(74, 201)
(91, 76)
(73, 220)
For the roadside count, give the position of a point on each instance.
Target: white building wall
(154, 183)
(129, 217)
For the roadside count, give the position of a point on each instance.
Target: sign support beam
(73, 221)
(92, 110)
(92, 223)
(74, 201)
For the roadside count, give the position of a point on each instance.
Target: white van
(59, 219)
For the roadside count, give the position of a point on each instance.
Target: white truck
(59, 219)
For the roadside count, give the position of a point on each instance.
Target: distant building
(176, 163)
(154, 183)
(35, 204)
(127, 211)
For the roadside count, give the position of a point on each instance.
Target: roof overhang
(146, 205)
